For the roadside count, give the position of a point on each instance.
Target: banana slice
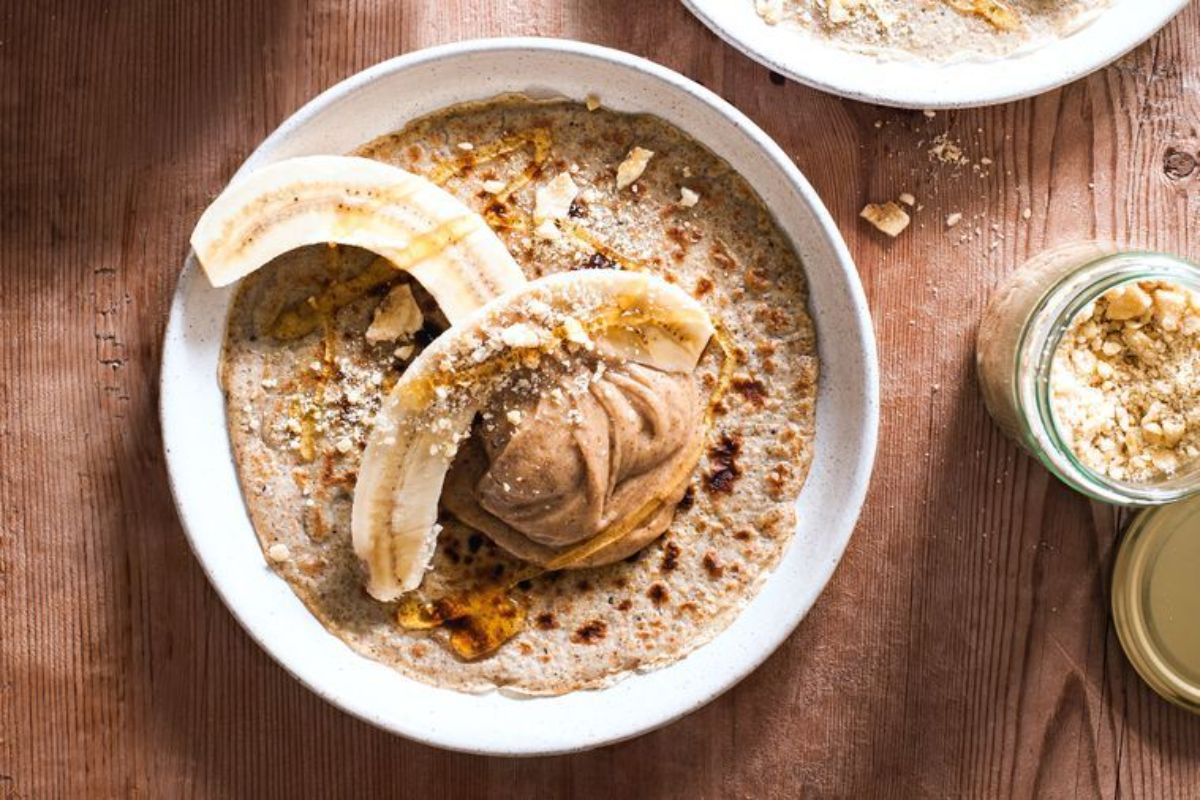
(633, 316)
(356, 201)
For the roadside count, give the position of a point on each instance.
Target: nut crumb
(396, 316)
(953, 219)
(279, 552)
(552, 202)
(887, 217)
(771, 11)
(520, 334)
(633, 166)
(1125, 380)
(838, 11)
(946, 151)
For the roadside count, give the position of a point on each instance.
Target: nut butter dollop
(551, 469)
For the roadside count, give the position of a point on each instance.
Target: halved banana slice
(400, 216)
(633, 316)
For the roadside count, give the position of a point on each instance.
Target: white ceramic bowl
(912, 83)
(382, 99)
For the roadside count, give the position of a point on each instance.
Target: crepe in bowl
(320, 338)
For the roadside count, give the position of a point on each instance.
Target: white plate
(912, 83)
(382, 99)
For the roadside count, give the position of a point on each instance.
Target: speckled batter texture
(300, 409)
(939, 30)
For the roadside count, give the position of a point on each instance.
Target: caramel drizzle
(997, 13)
(301, 319)
(628, 263)
(496, 213)
(539, 138)
(623, 314)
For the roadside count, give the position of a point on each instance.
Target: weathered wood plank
(963, 649)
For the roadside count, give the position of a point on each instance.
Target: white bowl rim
(863, 460)
(917, 84)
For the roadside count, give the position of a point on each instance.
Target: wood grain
(963, 648)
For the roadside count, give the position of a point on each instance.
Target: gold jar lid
(1156, 599)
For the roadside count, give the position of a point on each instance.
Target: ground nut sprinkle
(1125, 382)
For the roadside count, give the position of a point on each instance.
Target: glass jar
(1020, 331)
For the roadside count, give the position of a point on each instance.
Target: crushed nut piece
(839, 10)
(633, 166)
(396, 316)
(1125, 382)
(953, 219)
(1126, 302)
(592, 102)
(278, 552)
(547, 230)
(907, 198)
(552, 202)
(887, 217)
(946, 151)
(576, 333)
(687, 197)
(520, 334)
(770, 10)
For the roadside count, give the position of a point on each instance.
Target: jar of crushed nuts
(1090, 358)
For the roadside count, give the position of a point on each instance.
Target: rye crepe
(936, 30)
(302, 390)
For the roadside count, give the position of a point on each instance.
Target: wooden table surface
(964, 646)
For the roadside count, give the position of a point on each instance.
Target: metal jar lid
(1156, 599)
